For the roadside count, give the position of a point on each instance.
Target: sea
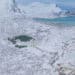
(68, 20)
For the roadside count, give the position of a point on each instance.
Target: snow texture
(51, 52)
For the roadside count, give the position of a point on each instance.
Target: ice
(51, 47)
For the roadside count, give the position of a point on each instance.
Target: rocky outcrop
(70, 13)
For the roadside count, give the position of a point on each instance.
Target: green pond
(22, 38)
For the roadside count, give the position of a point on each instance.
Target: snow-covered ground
(41, 10)
(51, 52)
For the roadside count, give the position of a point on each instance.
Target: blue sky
(63, 2)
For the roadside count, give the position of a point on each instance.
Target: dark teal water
(64, 20)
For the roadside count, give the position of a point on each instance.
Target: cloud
(66, 2)
(41, 10)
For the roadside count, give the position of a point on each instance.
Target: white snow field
(41, 10)
(51, 50)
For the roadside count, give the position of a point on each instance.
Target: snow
(52, 45)
(41, 10)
